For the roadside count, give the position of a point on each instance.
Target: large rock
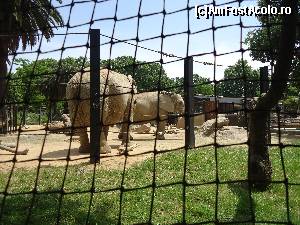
(209, 126)
(66, 119)
(198, 121)
(233, 119)
(143, 129)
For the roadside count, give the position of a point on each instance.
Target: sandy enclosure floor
(54, 148)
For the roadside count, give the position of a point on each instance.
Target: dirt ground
(54, 148)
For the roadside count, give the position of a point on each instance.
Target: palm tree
(23, 21)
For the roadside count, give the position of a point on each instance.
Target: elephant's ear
(166, 103)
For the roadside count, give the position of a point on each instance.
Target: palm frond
(27, 19)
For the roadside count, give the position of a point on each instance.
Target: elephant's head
(133, 83)
(171, 102)
(178, 103)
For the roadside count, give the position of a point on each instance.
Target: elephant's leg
(161, 130)
(123, 131)
(84, 141)
(120, 136)
(126, 137)
(104, 147)
(105, 130)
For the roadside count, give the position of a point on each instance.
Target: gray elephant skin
(146, 107)
(117, 108)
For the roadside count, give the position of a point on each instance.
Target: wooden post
(6, 120)
(40, 112)
(16, 117)
(10, 119)
(51, 113)
(95, 128)
(189, 103)
(2, 118)
(24, 114)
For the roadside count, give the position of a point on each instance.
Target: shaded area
(245, 205)
(74, 210)
(62, 153)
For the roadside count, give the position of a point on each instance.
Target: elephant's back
(118, 83)
(113, 83)
(121, 89)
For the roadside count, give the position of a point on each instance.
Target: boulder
(171, 130)
(209, 126)
(198, 121)
(66, 120)
(143, 129)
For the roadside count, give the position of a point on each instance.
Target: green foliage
(291, 104)
(32, 118)
(295, 75)
(234, 84)
(27, 18)
(24, 21)
(264, 42)
(147, 76)
(202, 85)
(39, 81)
(27, 82)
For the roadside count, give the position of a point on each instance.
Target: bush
(290, 104)
(32, 118)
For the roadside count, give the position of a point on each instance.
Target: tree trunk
(3, 70)
(3, 50)
(259, 167)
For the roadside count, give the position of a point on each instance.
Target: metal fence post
(95, 95)
(189, 103)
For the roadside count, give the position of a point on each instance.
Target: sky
(227, 39)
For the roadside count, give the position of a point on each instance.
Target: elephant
(146, 109)
(118, 105)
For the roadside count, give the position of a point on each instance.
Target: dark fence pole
(95, 95)
(189, 103)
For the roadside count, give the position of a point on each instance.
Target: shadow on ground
(45, 210)
(245, 205)
(62, 153)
